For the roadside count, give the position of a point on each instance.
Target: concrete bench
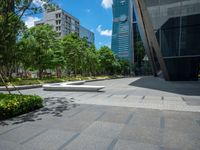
(72, 88)
(72, 83)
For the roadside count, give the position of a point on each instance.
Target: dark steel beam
(149, 38)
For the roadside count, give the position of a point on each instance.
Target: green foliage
(12, 105)
(125, 67)
(19, 81)
(139, 52)
(108, 62)
(81, 58)
(141, 66)
(11, 24)
(40, 49)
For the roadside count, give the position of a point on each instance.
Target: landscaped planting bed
(12, 104)
(19, 81)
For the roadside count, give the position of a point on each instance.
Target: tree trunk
(40, 73)
(58, 72)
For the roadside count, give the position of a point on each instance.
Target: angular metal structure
(170, 31)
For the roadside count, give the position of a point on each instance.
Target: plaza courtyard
(143, 113)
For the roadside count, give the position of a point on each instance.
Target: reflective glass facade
(122, 41)
(176, 24)
(85, 33)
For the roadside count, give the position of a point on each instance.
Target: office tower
(170, 30)
(122, 33)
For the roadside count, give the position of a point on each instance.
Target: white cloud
(100, 43)
(88, 10)
(105, 32)
(106, 3)
(29, 21)
(38, 3)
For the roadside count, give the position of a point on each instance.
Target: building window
(58, 16)
(58, 28)
(73, 21)
(122, 2)
(58, 22)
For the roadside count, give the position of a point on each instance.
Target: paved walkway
(131, 114)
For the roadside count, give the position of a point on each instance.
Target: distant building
(122, 36)
(85, 33)
(64, 23)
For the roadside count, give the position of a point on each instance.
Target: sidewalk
(136, 123)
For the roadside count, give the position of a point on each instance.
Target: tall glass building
(175, 50)
(122, 36)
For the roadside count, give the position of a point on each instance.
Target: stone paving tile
(116, 98)
(88, 142)
(104, 129)
(174, 98)
(74, 125)
(99, 96)
(149, 112)
(152, 101)
(87, 115)
(115, 117)
(151, 98)
(145, 121)
(154, 106)
(52, 139)
(8, 145)
(173, 102)
(112, 109)
(141, 134)
(180, 141)
(133, 99)
(65, 124)
(182, 125)
(6, 127)
(193, 101)
(132, 145)
(22, 133)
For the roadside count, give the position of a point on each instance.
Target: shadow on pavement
(53, 106)
(191, 88)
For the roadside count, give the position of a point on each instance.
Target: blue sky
(95, 15)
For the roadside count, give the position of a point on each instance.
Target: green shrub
(19, 81)
(12, 105)
(26, 82)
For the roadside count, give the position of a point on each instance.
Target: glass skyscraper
(176, 24)
(122, 36)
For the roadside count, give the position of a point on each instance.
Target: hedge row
(19, 81)
(12, 105)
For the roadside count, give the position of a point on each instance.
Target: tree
(107, 60)
(140, 66)
(81, 57)
(125, 67)
(40, 49)
(139, 52)
(58, 60)
(92, 60)
(11, 12)
(72, 53)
